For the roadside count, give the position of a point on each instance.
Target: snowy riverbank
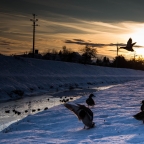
(113, 116)
(21, 77)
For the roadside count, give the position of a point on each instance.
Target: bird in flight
(129, 46)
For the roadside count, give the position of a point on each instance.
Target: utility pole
(134, 55)
(117, 49)
(117, 56)
(34, 20)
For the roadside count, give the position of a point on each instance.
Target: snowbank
(26, 77)
(113, 116)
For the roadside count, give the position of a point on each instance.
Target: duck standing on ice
(90, 101)
(140, 115)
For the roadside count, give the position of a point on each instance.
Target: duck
(90, 101)
(83, 113)
(142, 106)
(129, 45)
(139, 116)
(38, 109)
(33, 110)
(7, 111)
(45, 108)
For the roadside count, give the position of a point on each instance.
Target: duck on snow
(83, 113)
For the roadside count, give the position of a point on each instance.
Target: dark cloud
(113, 50)
(65, 19)
(80, 40)
(99, 45)
(96, 10)
(5, 43)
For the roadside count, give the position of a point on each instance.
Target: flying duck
(83, 113)
(129, 45)
(139, 116)
(142, 106)
(90, 101)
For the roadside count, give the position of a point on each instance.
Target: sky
(116, 103)
(101, 23)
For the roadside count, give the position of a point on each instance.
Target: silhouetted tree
(139, 63)
(99, 62)
(88, 54)
(106, 61)
(65, 54)
(119, 61)
(51, 55)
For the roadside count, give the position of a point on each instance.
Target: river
(13, 111)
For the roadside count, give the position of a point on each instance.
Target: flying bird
(142, 106)
(90, 101)
(129, 46)
(83, 113)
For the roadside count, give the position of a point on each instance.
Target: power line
(34, 20)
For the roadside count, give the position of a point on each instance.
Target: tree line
(89, 56)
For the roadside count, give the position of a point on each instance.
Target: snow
(36, 77)
(113, 112)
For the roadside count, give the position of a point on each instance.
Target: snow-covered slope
(24, 76)
(113, 113)
(113, 116)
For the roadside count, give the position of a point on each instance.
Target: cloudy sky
(72, 23)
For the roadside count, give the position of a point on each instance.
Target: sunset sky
(72, 23)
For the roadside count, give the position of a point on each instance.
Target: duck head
(91, 95)
(142, 102)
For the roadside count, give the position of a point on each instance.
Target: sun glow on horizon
(138, 36)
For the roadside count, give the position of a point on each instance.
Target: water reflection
(15, 110)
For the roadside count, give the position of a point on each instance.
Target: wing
(93, 102)
(133, 44)
(87, 110)
(129, 42)
(87, 101)
(74, 109)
